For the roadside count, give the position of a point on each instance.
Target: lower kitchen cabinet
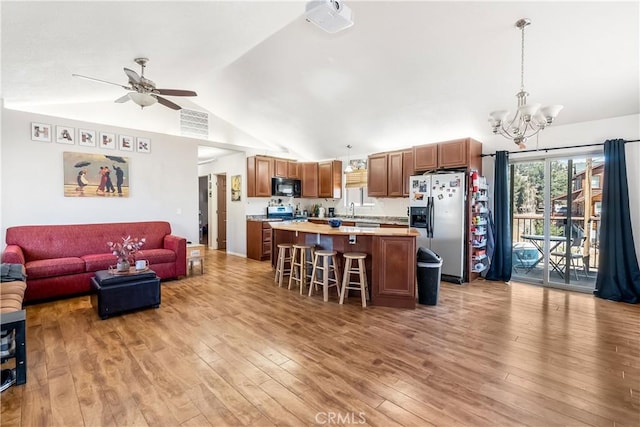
(258, 240)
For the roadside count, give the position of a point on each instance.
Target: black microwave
(286, 187)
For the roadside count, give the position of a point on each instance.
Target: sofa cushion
(156, 256)
(97, 262)
(54, 267)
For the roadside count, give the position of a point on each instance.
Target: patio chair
(575, 255)
(525, 256)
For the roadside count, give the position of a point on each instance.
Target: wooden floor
(231, 348)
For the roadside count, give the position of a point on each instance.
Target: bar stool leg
(313, 274)
(345, 279)
(336, 275)
(294, 254)
(363, 282)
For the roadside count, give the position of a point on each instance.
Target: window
(595, 181)
(355, 185)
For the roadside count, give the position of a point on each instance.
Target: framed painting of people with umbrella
(95, 175)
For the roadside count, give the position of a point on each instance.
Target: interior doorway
(203, 210)
(221, 189)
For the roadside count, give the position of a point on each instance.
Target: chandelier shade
(143, 99)
(529, 119)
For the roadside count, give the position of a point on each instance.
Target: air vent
(194, 123)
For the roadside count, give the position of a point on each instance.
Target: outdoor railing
(533, 224)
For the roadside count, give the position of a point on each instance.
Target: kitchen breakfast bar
(390, 262)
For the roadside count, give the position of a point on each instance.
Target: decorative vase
(122, 265)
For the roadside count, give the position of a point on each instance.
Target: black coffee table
(119, 293)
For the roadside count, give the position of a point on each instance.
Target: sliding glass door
(556, 219)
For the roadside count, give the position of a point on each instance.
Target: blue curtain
(618, 273)
(500, 268)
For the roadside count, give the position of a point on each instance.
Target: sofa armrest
(179, 246)
(13, 255)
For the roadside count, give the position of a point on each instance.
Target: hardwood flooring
(232, 348)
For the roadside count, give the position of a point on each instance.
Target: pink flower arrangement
(124, 250)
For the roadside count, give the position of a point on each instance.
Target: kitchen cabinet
(394, 274)
(258, 240)
(309, 172)
(407, 171)
(394, 174)
(377, 175)
(293, 169)
(330, 179)
(388, 174)
(281, 168)
(259, 174)
(457, 153)
(425, 157)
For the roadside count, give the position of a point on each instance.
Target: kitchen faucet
(352, 208)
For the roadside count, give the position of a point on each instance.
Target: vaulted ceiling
(406, 73)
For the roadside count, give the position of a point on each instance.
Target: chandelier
(529, 119)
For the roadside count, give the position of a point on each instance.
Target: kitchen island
(391, 255)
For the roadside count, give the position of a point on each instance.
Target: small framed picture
(65, 135)
(40, 132)
(107, 140)
(125, 143)
(143, 145)
(86, 137)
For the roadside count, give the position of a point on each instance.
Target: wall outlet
(352, 239)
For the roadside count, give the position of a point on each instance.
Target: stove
(280, 212)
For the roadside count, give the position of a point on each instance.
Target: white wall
(594, 132)
(163, 183)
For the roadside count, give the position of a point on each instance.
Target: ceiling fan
(142, 90)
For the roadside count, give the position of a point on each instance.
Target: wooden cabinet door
(452, 154)
(325, 179)
(293, 169)
(336, 178)
(281, 168)
(407, 171)
(377, 175)
(394, 273)
(309, 179)
(251, 177)
(394, 174)
(425, 157)
(264, 173)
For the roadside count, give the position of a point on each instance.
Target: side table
(118, 293)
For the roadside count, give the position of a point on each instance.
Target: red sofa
(61, 259)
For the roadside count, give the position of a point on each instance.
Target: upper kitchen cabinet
(309, 179)
(458, 153)
(329, 179)
(293, 169)
(407, 171)
(281, 168)
(425, 157)
(394, 174)
(377, 175)
(259, 172)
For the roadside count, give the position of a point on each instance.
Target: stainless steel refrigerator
(437, 211)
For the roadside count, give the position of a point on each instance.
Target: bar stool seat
(299, 262)
(284, 258)
(321, 263)
(359, 270)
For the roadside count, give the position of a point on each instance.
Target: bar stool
(321, 262)
(284, 257)
(362, 276)
(299, 262)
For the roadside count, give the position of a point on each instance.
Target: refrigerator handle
(431, 216)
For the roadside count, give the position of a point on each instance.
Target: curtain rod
(555, 148)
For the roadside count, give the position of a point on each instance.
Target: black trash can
(429, 268)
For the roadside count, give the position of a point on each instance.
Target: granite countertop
(309, 227)
(395, 220)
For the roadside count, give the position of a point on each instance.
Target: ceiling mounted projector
(330, 15)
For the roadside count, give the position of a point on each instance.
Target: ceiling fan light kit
(143, 91)
(330, 15)
(529, 119)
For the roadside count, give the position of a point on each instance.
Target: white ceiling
(406, 73)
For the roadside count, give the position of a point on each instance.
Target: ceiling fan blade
(101, 81)
(175, 92)
(123, 99)
(133, 76)
(168, 103)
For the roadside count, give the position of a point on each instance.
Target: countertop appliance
(436, 210)
(280, 212)
(331, 212)
(285, 187)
